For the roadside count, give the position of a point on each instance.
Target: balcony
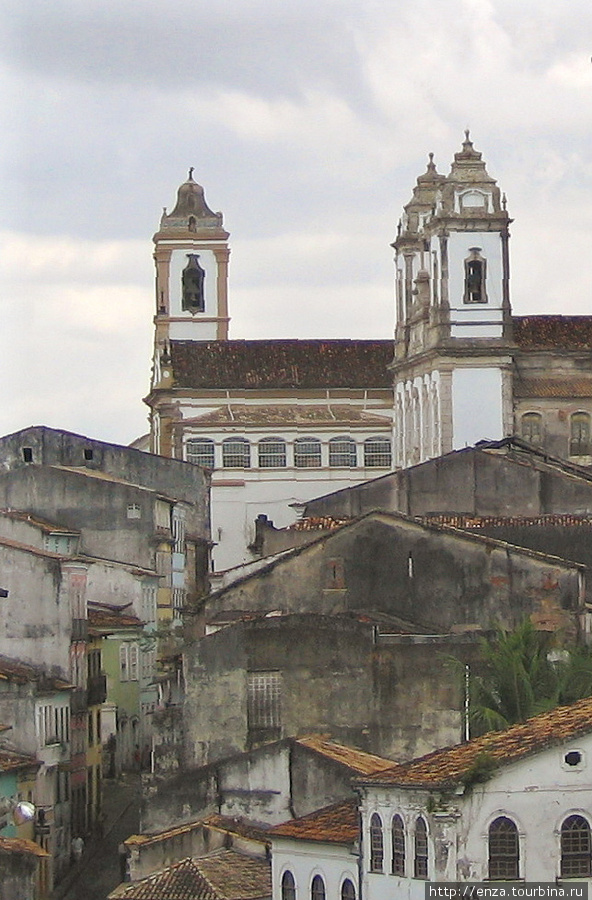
(97, 689)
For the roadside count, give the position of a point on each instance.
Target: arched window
(288, 886)
(475, 274)
(378, 453)
(398, 839)
(272, 453)
(317, 888)
(343, 453)
(376, 844)
(532, 428)
(348, 891)
(576, 848)
(307, 453)
(421, 849)
(504, 849)
(193, 285)
(200, 452)
(236, 453)
(579, 434)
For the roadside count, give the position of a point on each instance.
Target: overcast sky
(307, 123)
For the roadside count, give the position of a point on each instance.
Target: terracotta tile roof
(24, 673)
(282, 364)
(241, 827)
(356, 760)
(566, 520)
(553, 332)
(224, 875)
(292, 414)
(10, 761)
(550, 387)
(19, 845)
(111, 618)
(335, 824)
(451, 765)
(318, 523)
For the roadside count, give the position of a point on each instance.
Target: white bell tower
(452, 341)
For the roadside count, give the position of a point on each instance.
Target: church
(279, 422)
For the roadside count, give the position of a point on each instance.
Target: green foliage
(523, 675)
(480, 771)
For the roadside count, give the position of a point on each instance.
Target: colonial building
(465, 368)
(277, 421)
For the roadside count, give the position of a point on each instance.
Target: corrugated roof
(335, 824)
(223, 875)
(356, 760)
(553, 332)
(450, 766)
(282, 364)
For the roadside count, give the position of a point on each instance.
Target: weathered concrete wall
(393, 696)
(432, 576)
(18, 872)
(473, 481)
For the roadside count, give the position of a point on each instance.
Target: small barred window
(236, 453)
(200, 452)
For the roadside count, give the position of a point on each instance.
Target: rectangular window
(263, 700)
(123, 663)
(272, 453)
(201, 453)
(134, 511)
(133, 662)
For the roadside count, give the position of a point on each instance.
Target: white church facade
(279, 422)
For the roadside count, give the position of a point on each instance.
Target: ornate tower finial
(191, 170)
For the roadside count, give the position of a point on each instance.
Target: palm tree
(522, 676)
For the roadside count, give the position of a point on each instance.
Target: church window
(503, 849)
(263, 699)
(307, 453)
(288, 886)
(475, 274)
(532, 427)
(421, 849)
(376, 844)
(236, 453)
(317, 888)
(200, 452)
(193, 285)
(398, 839)
(576, 848)
(348, 891)
(377, 453)
(579, 438)
(272, 453)
(343, 453)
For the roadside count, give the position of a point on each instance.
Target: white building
(278, 421)
(511, 805)
(316, 856)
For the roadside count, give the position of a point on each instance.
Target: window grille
(576, 848)
(376, 844)
(343, 453)
(503, 849)
(201, 453)
(288, 886)
(272, 453)
(398, 838)
(317, 888)
(348, 891)
(307, 453)
(378, 453)
(236, 453)
(421, 849)
(263, 702)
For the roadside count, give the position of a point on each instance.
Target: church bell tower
(453, 336)
(191, 256)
